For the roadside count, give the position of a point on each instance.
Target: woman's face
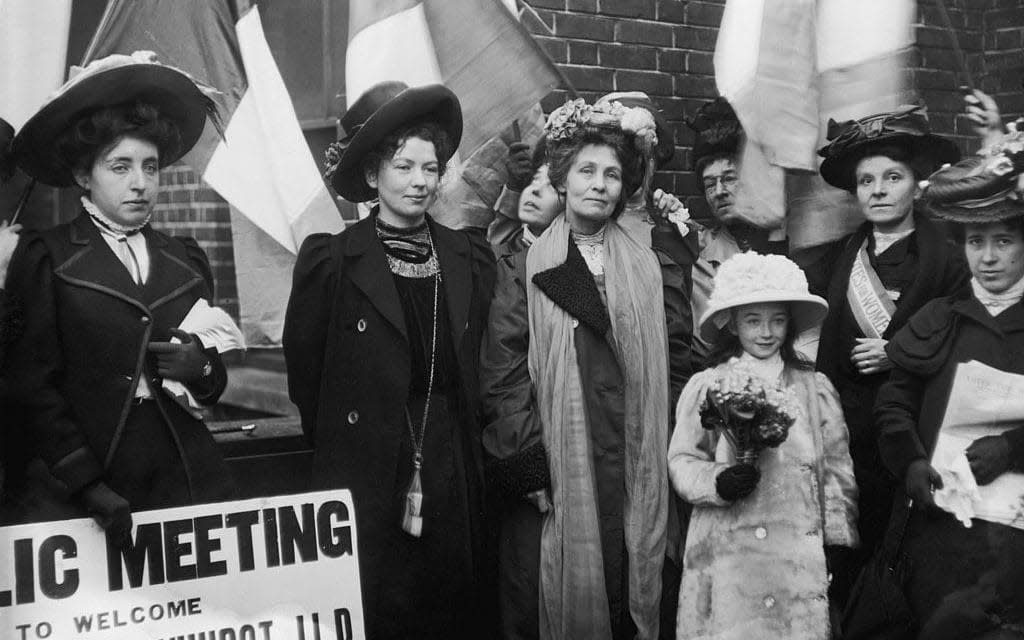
(539, 203)
(592, 187)
(761, 327)
(407, 183)
(995, 254)
(886, 189)
(124, 180)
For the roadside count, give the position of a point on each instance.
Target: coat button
(361, 325)
(575, 323)
(760, 533)
(144, 319)
(353, 417)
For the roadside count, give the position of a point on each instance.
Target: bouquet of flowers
(750, 413)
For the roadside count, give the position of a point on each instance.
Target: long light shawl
(573, 599)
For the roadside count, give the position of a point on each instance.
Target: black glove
(989, 458)
(109, 510)
(736, 482)
(518, 166)
(184, 362)
(920, 481)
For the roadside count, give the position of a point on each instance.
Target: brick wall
(1003, 44)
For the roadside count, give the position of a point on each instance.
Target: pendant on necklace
(412, 517)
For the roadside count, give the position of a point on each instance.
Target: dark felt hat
(666, 146)
(6, 164)
(718, 131)
(108, 82)
(906, 128)
(384, 108)
(979, 189)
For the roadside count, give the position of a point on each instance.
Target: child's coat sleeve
(840, 488)
(691, 453)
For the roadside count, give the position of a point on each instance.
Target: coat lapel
(932, 253)
(169, 276)
(367, 267)
(94, 266)
(571, 286)
(457, 273)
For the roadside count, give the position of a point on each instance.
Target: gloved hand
(540, 499)
(921, 479)
(184, 362)
(738, 481)
(109, 510)
(518, 166)
(989, 458)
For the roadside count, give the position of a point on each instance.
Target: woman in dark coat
(962, 577)
(382, 342)
(874, 280)
(108, 293)
(576, 382)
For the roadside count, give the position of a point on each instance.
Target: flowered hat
(751, 278)
(385, 107)
(114, 80)
(906, 127)
(665, 147)
(718, 131)
(983, 188)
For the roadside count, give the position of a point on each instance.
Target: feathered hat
(718, 131)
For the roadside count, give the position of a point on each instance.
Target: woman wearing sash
(966, 575)
(875, 279)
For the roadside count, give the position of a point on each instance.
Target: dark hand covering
(737, 481)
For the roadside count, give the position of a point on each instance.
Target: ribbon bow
(909, 119)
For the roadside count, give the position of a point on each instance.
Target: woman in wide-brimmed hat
(966, 566)
(381, 340)
(764, 525)
(876, 278)
(106, 361)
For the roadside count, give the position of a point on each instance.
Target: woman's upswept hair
(562, 154)
(921, 166)
(425, 130)
(727, 345)
(83, 141)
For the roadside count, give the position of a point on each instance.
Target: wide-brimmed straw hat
(752, 278)
(906, 127)
(384, 108)
(107, 82)
(983, 188)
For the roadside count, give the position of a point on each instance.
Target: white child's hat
(751, 278)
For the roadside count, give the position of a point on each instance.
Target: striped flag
(262, 167)
(477, 49)
(787, 66)
(33, 54)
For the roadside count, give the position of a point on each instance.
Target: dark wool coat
(84, 349)
(348, 358)
(945, 556)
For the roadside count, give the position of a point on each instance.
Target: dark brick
(696, 204)
(1004, 18)
(1004, 60)
(700, 63)
(938, 37)
(665, 181)
(582, 52)
(651, 83)
(697, 86)
(689, 183)
(1009, 39)
(672, 60)
(619, 56)
(672, 11)
(554, 100)
(628, 8)
(942, 101)
(590, 78)
(558, 5)
(545, 18)
(569, 25)
(934, 58)
(554, 47)
(930, 15)
(702, 39)
(640, 32)
(589, 6)
(703, 13)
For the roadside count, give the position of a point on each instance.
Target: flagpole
(108, 13)
(958, 53)
(24, 199)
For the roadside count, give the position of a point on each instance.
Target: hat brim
(806, 311)
(173, 93)
(434, 102)
(996, 212)
(838, 170)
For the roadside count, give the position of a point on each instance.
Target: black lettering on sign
(342, 624)
(205, 546)
(175, 550)
(295, 537)
(24, 572)
(243, 522)
(49, 583)
(270, 538)
(144, 550)
(334, 531)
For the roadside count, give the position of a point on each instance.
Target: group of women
(530, 452)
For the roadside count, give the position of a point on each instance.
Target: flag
(262, 166)
(33, 55)
(787, 66)
(478, 50)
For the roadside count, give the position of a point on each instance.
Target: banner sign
(282, 568)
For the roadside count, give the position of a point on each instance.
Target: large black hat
(381, 110)
(718, 131)
(906, 127)
(114, 80)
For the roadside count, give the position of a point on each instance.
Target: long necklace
(412, 517)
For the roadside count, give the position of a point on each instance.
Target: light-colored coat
(755, 568)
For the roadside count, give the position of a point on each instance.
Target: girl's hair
(959, 230)
(90, 135)
(561, 155)
(727, 345)
(425, 130)
(920, 165)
